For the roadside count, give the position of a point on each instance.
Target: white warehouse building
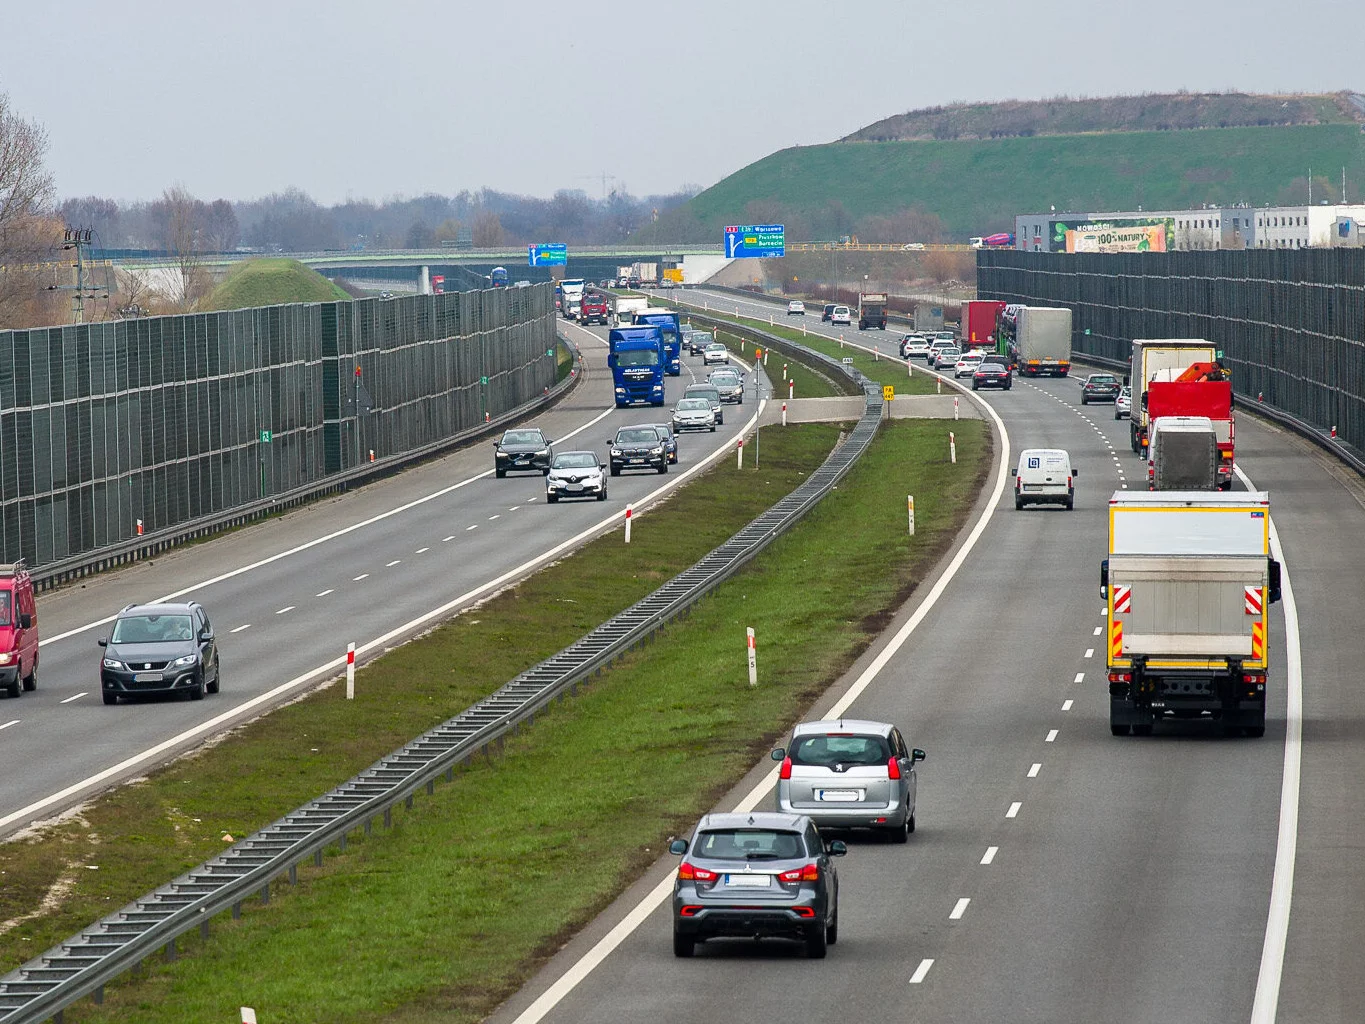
(1228, 227)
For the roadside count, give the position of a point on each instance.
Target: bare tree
(183, 237)
(25, 193)
(220, 228)
(487, 230)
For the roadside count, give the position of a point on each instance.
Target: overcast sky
(368, 99)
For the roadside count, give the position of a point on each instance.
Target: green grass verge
(445, 915)
(271, 282)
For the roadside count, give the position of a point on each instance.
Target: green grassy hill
(977, 186)
(271, 282)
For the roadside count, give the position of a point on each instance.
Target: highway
(286, 596)
(1059, 873)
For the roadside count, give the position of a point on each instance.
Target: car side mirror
(917, 754)
(103, 641)
(678, 847)
(1274, 587)
(838, 848)
(549, 441)
(778, 754)
(1075, 472)
(25, 620)
(206, 637)
(1013, 471)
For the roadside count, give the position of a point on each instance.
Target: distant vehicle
(636, 358)
(979, 321)
(715, 353)
(159, 648)
(498, 277)
(966, 364)
(594, 309)
(571, 293)
(935, 347)
(992, 375)
(998, 240)
(841, 315)
(729, 383)
(1044, 476)
(637, 448)
(1123, 405)
(828, 313)
(710, 392)
(872, 311)
(18, 630)
(796, 308)
(1100, 387)
(756, 875)
(1182, 454)
(945, 359)
(576, 475)
(697, 342)
(527, 449)
(914, 345)
(694, 413)
(670, 440)
(976, 242)
(912, 246)
(1036, 339)
(669, 323)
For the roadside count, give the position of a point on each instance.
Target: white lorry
(1042, 341)
(1188, 585)
(1182, 454)
(1150, 357)
(624, 308)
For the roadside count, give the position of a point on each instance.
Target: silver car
(576, 475)
(715, 353)
(1123, 405)
(729, 383)
(707, 390)
(850, 774)
(693, 414)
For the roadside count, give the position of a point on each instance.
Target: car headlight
(620, 391)
(616, 453)
(6, 658)
(543, 452)
(187, 660)
(113, 663)
(657, 451)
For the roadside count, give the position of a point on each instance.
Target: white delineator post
(350, 671)
(910, 504)
(954, 407)
(753, 658)
(938, 384)
(765, 356)
(784, 414)
(630, 511)
(739, 454)
(952, 448)
(791, 389)
(876, 353)
(784, 377)
(909, 368)
(248, 1015)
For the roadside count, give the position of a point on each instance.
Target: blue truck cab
(636, 358)
(671, 326)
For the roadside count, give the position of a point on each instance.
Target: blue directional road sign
(755, 240)
(555, 253)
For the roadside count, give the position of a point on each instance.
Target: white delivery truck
(1182, 454)
(1188, 585)
(1150, 357)
(624, 308)
(1042, 341)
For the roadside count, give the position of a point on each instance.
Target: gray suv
(850, 774)
(756, 875)
(159, 649)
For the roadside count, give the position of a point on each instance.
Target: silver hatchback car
(850, 774)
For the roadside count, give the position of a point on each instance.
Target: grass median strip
(443, 916)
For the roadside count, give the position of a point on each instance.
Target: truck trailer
(872, 311)
(1202, 389)
(978, 322)
(1150, 357)
(1183, 454)
(1040, 342)
(1188, 584)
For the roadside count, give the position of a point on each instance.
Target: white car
(576, 475)
(914, 345)
(841, 315)
(912, 246)
(693, 414)
(796, 308)
(944, 359)
(966, 364)
(1123, 405)
(715, 353)
(1044, 476)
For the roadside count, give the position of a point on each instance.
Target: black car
(523, 449)
(697, 342)
(637, 448)
(1100, 387)
(159, 648)
(827, 315)
(756, 875)
(670, 440)
(992, 375)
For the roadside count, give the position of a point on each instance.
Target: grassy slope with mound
(271, 282)
(975, 186)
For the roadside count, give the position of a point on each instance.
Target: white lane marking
(362, 576)
(240, 629)
(8, 724)
(921, 971)
(1267, 1001)
(201, 585)
(396, 561)
(447, 540)
(1080, 677)
(1034, 769)
(1090, 652)
(1013, 812)
(514, 508)
(989, 855)
(324, 593)
(498, 516)
(421, 551)
(378, 643)
(1051, 735)
(285, 610)
(959, 909)
(473, 527)
(78, 696)
(581, 968)
(1097, 630)
(1066, 705)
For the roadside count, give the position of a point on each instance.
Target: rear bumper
(889, 815)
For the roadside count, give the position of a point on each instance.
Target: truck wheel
(1070, 504)
(1084, 401)
(1018, 504)
(15, 688)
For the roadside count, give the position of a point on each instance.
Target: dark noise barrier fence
(1290, 323)
(108, 427)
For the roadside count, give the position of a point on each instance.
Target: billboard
(755, 241)
(1114, 238)
(547, 255)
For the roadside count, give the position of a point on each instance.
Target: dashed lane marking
(1013, 812)
(989, 855)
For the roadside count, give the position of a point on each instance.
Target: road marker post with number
(910, 502)
(753, 657)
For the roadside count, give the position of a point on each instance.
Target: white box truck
(1042, 341)
(1182, 454)
(1150, 357)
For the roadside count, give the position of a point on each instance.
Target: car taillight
(808, 873)
(1068, 479)
(786, 772)
(893, 769)
(691, 873)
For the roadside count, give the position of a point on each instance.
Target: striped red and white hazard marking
(1251, 601)
(1123, 600)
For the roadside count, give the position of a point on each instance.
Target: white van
(1044, 477)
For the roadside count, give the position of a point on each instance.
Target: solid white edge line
(959, 908)
(8, 724)
(921, 971)
(584, 966)
(989, 855)
(378, 643)
(1267, 1001)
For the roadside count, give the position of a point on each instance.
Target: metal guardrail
(86, 962)
(52, 574)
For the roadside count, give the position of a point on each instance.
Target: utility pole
(78, 239)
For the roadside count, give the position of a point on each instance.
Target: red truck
(1201, 390)
(978, 322)
(594, 309)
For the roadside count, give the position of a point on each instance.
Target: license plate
(147, 677)
(636, 461)
(748, 881)
(839, 795)
(574, 487)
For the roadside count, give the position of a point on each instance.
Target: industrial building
(1226, 227)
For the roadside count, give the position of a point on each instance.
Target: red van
(18, 630)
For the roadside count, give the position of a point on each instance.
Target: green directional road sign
(267, 436)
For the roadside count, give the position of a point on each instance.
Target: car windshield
(1125, 392)
(638, 357)
(946, 336)
(841, 309)
(152, 629)
(839, 748)
(949, 353)
(724, 378)
(4, 608)
(663, 430)
(707, 392)
(637, 435)
(749, 844)
(1101, 378)
(523, 437)
(693, 405)
(701, 337)
(715, 346)
(576, 460)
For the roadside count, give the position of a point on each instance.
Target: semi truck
(872, 311)
(623, 277)
(1202, 389)
(645, 275)
(979, 318)
(571, 296)
(1150, 357)
(1183, 454)
(670, 324)
(636, 358)
(624, 309)
(594, 308)
(1188, 584)
(1036, 340)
